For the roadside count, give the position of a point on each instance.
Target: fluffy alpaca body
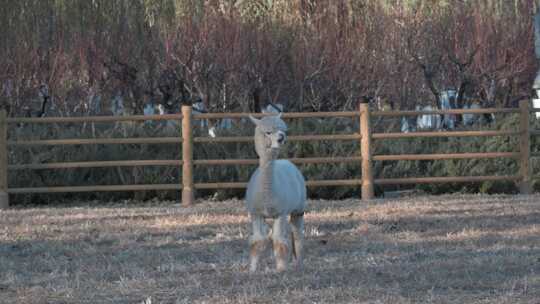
(276, 190)
(282, 191)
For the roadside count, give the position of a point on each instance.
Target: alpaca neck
(266, 160)
(266, 168)
(266, 164)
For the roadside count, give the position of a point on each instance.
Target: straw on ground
(448, 249)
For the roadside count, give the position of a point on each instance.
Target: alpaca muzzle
(278, 140)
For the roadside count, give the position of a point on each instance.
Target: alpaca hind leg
(280, 233)
(297, 237)
(257, 241)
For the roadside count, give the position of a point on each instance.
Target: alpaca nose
(281, 138)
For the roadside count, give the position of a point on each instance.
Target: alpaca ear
(254, 120)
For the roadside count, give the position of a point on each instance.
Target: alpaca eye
(268, 133)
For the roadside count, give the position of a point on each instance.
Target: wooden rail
(289, 138)
(48, 120)
(307, 160)
(454, 111)
(445, 134)
(97, 164)
(364, 159)
(446, 156)
(95, 188)
(97, 141)
(285, 115)
(453, 179)
(309, 183)
(173, 162)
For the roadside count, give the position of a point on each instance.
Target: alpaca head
(269, 135)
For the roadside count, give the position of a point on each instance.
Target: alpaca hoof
(253, 266)
(281, 268)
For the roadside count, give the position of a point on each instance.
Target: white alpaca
(276, 190)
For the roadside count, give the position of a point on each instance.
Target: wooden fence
(186, 139)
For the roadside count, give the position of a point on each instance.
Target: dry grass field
(443, 249)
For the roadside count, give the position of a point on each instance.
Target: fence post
(187, 157)
(524, 148)
(4, 197)
(365, 150)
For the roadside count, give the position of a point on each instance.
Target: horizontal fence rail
(453, 179)
(309, 183)
(307, 160)
(447, 156)
(97, 164)
(445, 134)
(82, 119)
(96, 141)
(284, 115)
(95, 188)
(440, 112)
(173, 162)
(235, 139)
(364, 136)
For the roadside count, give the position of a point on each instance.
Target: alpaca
(276, 190)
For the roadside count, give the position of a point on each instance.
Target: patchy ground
(447, 249)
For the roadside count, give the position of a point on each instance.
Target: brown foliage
(309, 55)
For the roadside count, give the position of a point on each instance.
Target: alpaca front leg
(257, 241)
(297, 227)
(280, 233)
